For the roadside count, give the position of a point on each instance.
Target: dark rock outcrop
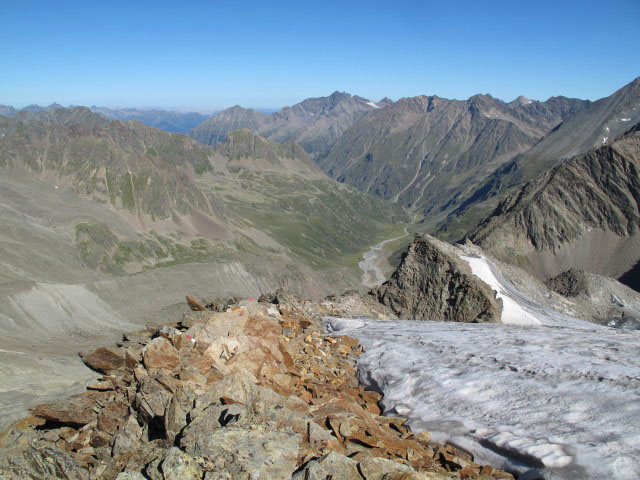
(432, 283)
(569, 284)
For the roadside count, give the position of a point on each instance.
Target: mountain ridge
(583, 213)
(314, 123)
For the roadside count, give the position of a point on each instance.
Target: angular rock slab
(333, 465)
(258, 453)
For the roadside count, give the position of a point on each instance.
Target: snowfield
(559, 400)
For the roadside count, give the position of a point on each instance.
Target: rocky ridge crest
(255, 391)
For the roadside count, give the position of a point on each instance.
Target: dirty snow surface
(557, 401)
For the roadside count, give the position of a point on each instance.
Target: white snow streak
(512, 312)
(370, 103)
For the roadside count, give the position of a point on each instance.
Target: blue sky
(274, 53)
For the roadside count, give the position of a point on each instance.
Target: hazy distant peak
(521, 100)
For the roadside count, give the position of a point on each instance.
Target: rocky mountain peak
(521, 100)
(433, 283)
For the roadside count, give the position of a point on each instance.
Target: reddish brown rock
(262, 327)
(195, 305)
(160, 354)
(104, 360)
(112, 416)
(74, 411)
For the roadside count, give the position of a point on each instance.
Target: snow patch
(625, 119)
(604, 140)
(512, 312)
(558, 402)
(371, 104)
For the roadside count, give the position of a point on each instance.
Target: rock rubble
(257, 391)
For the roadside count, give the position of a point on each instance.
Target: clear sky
(275, 53)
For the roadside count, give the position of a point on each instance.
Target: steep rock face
(423, 152)
(599, 123)
(315, 123)
(560, 219)
(432, 283)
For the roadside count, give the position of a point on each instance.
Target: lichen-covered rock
(177, 465)
(39, 461)
(376, 468)
(432, 283)
(333, 465)
(259, 453)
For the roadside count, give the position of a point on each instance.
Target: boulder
(376, 468)
(333, 465)
(104, 360)
(243, 453)
(178, 465)
(571, 283)
(160, 355)
(112, 416)
(39, 460)
(128, 437)
(74, 411)
(130, 476)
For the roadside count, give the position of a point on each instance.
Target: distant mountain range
(449, 163)
(423, 152)
(167, 120)
(315, 123)
(270, 198)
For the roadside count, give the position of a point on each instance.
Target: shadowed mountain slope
(423, 152)
(583, 213)
(597, 124)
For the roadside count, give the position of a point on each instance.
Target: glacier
(562, 402)
(542, 394)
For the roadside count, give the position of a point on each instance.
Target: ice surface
(563, 400)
